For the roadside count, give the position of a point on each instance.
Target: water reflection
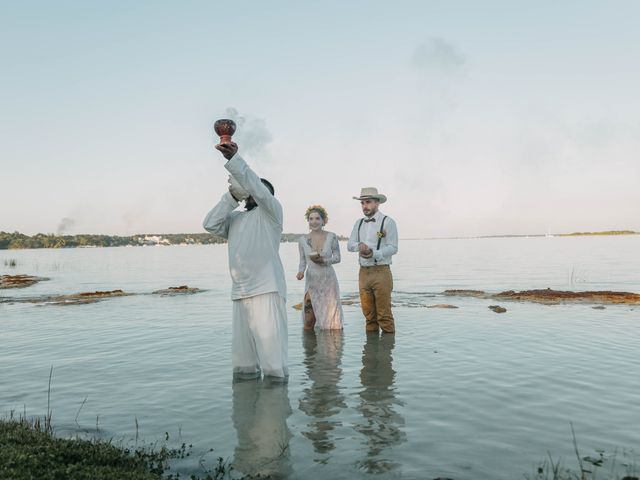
(382, 425)
(323, 400)
(260, 412)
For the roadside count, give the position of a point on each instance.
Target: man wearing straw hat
(375, 238)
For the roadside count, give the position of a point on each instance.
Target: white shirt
(254, 236)
(369, 235)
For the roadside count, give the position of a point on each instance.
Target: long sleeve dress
(321, 282)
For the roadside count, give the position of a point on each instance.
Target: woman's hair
(319, 209)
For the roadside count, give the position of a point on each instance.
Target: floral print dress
(321, 282)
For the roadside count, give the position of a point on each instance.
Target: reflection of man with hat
(375, 238)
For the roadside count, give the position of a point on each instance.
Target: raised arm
(248, 179)
(218, 219)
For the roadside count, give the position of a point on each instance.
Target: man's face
(369, 206)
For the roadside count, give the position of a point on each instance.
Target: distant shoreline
(19, 241)
(537, 235)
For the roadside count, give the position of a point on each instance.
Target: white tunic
(254, 236)
(259, 334)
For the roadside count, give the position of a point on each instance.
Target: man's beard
(250, 204)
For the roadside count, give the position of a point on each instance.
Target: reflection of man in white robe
(259, 288)
(260, 412)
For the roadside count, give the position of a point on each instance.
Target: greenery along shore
(608, 232)
(16, 240)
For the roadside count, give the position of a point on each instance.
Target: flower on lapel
(382, 234)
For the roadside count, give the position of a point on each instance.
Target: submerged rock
(19, 281)
(550, 297)
(465, 293)
(92, 297)
(497, 308)
(81, 298)
(441, 305)
(181, 290)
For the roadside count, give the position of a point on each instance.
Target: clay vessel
(225, 128)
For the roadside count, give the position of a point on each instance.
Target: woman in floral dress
(319, 250)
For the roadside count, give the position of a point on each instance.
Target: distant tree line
(608, 232)
(17, 240)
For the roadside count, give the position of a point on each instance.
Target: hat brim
(380, 198)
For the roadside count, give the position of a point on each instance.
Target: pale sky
(474, 118)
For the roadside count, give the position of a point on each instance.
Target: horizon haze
(473, 119)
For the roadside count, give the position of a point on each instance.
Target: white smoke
(438, 56)
(252, 134)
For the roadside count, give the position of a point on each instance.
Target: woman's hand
(317, 259)
(300, 275)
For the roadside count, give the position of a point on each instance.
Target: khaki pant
(376, 284)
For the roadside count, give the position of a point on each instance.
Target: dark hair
(267, 184)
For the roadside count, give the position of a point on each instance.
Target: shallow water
(461, 393)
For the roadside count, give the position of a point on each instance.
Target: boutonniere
(382, 234)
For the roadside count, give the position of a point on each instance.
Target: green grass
(601, 466)
(620, 465)
(29, 450)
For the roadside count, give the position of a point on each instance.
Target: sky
(473, 118)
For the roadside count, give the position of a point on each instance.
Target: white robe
(254, 236)
(259, 289)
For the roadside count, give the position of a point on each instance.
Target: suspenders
(379, 236)
(381, 232)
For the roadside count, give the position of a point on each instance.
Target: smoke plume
(252, 134)
(65, 225)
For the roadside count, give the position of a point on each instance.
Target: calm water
(464, 393)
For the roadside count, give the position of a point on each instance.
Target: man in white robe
(259, 289)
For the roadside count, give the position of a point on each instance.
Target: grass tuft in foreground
(600, 466)
(29, 450)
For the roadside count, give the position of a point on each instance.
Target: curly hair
(319, 209)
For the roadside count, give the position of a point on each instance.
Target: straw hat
(371, 192)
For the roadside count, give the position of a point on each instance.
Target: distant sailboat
(549, 234)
